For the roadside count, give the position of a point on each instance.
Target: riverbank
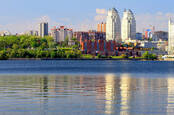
(118, 59)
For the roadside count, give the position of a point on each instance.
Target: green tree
(124, 56)
(149, 56)
(3, 55)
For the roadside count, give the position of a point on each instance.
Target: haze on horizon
(21, 15)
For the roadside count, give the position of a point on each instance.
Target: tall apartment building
(113, 26)
(60, 34)
(43, 29)
(128, 26)
(171, 38)
(101, 27)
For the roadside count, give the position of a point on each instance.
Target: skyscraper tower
(43, 29)
(171, 38)
(128, 26)
(113, 26)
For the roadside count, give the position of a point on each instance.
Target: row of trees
(35, 47)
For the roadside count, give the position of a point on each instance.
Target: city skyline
(24, 15)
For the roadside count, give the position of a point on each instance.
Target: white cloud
(101, 15)
(159, 20)
(101, 11)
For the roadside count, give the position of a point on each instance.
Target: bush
(149, 56)
(53, 54)
(3, 55)
(124, 56)
(101, 56)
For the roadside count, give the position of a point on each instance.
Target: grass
(136, 58)
(87, 56)
(117, 57)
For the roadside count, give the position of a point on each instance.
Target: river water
(71, 87)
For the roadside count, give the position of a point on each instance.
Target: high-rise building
(113, 26)
(171, 38)
(43, 29)
(101, 27)
(128, 26)
(60, 34)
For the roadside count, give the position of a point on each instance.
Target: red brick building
(109, 48)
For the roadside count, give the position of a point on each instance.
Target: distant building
(101, 27)
(128, 26)
(148, 34)
(113, 26)
(33, 33)
(148, 44)
(60, 34)
(90, 35)
(108, 48)
(139, 36)
(5, 33)
(162, 45)
(160, 35)
(171, 38)
(43, 29)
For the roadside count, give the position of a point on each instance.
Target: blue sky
(18, 15)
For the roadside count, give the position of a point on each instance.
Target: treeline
(34, 47)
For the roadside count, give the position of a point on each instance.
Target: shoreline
(118, 59)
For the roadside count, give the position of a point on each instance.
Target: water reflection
(170, 99)
(109, 94)
(125, 94)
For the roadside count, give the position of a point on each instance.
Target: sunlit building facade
(101, 27)
(113, 26)
(171, 38)
(43, 29)
(60, 34)
(128, 26)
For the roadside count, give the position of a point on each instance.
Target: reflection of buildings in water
(125, 87)
(170, 106)
(118, 92)
(110, 93)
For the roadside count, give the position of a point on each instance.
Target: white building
(171, 38)
(60, 34)
(5, 33)
(113, 26)
(128, 26)
(148, 44)
(43, 29)
(32, 33)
